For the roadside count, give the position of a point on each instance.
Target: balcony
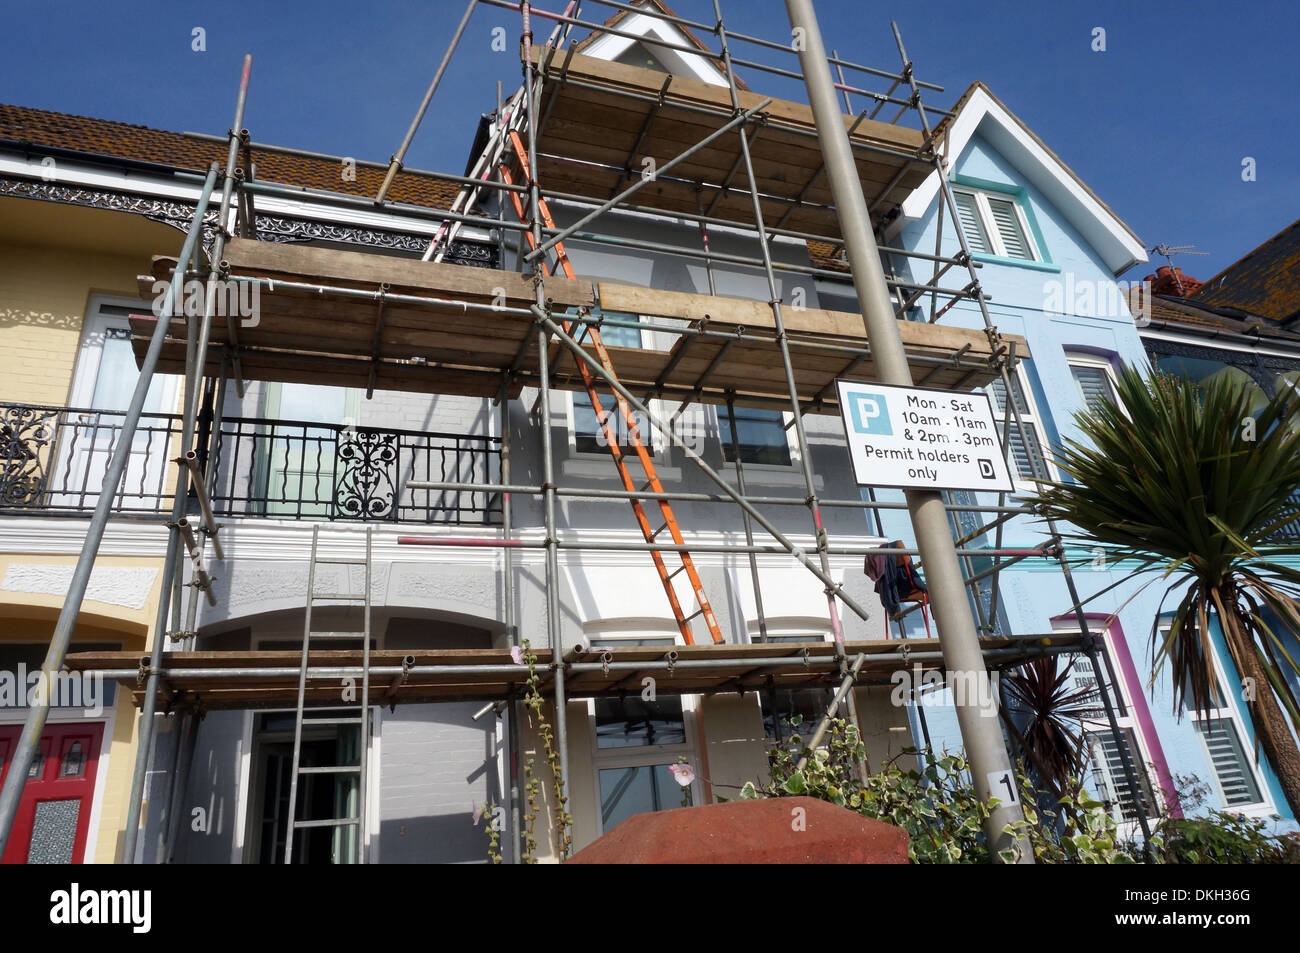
(53, 460)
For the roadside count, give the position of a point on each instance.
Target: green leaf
(795, 784)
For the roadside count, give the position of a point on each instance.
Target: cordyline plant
(1185, 482)
(1048, 721)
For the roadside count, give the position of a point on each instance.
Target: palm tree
(1189, 484)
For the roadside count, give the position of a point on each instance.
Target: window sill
(601, 467)
(767, 474)
(1016, 262)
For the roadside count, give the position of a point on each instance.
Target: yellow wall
(45, 294)
(30, 617)
(53, 258)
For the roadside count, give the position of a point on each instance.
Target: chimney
(1171, 281)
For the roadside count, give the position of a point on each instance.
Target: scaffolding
(575, 133)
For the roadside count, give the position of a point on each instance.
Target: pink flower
(478, 811)
(517, 653)
(683, 774)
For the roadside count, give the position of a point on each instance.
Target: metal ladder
(576, 330)
(468, 195)
(359, 710)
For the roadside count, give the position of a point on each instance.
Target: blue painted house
(1049, 252)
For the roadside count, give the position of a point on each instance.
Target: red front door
(54, 815)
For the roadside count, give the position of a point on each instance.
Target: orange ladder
(589, 381)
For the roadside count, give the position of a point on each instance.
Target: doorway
(321, 796)
(53, 817)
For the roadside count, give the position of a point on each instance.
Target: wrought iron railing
(53, 459)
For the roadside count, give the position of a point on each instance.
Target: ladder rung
(337, 635)
(681, 568)
(340, 561)
(697, 612)
(332, 822)
(352, 597)
(332, 769)
(655, 534)
(311, 708)
(355, 720)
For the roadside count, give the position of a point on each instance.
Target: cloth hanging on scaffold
(897, 581)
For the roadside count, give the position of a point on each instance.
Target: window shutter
(1094, 385)
(1024, 455)
(1228, 762)
(1108, 769)
(1008, 227)
(971, 225)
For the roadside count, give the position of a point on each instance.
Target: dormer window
(996, 224)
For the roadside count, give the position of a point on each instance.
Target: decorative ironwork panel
(26, 442)
(276, 228)
(367, 486)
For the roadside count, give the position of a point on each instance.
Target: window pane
(74, 762)
(1007, 223)
(588, 435)
(633, 722)
(1094, 385)
(760, 433)
(781, 705)
(638, 790)
(971, 226)
(617, 336)
(117, 374)
(1228, 761)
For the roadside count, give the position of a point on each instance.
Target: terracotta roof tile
(1190, 313)
(140, 143)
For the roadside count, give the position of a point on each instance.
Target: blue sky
(1158, 124)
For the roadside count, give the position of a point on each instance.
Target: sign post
(957, 636)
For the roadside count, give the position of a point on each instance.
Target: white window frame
(1126, 722)
(646, 755)
(775, 469)
(1083, 359)
(985, 213)
(1033, 419)
(787, 631)
(246, 839)
(579, 462)
(1229, 713)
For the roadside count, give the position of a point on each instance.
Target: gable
(646, 53)
(981, 115)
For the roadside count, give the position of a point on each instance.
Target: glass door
(102, 387)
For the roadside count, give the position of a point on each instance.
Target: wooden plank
(812, 321)
(697, 92)
(334, 267)
(783, 163)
